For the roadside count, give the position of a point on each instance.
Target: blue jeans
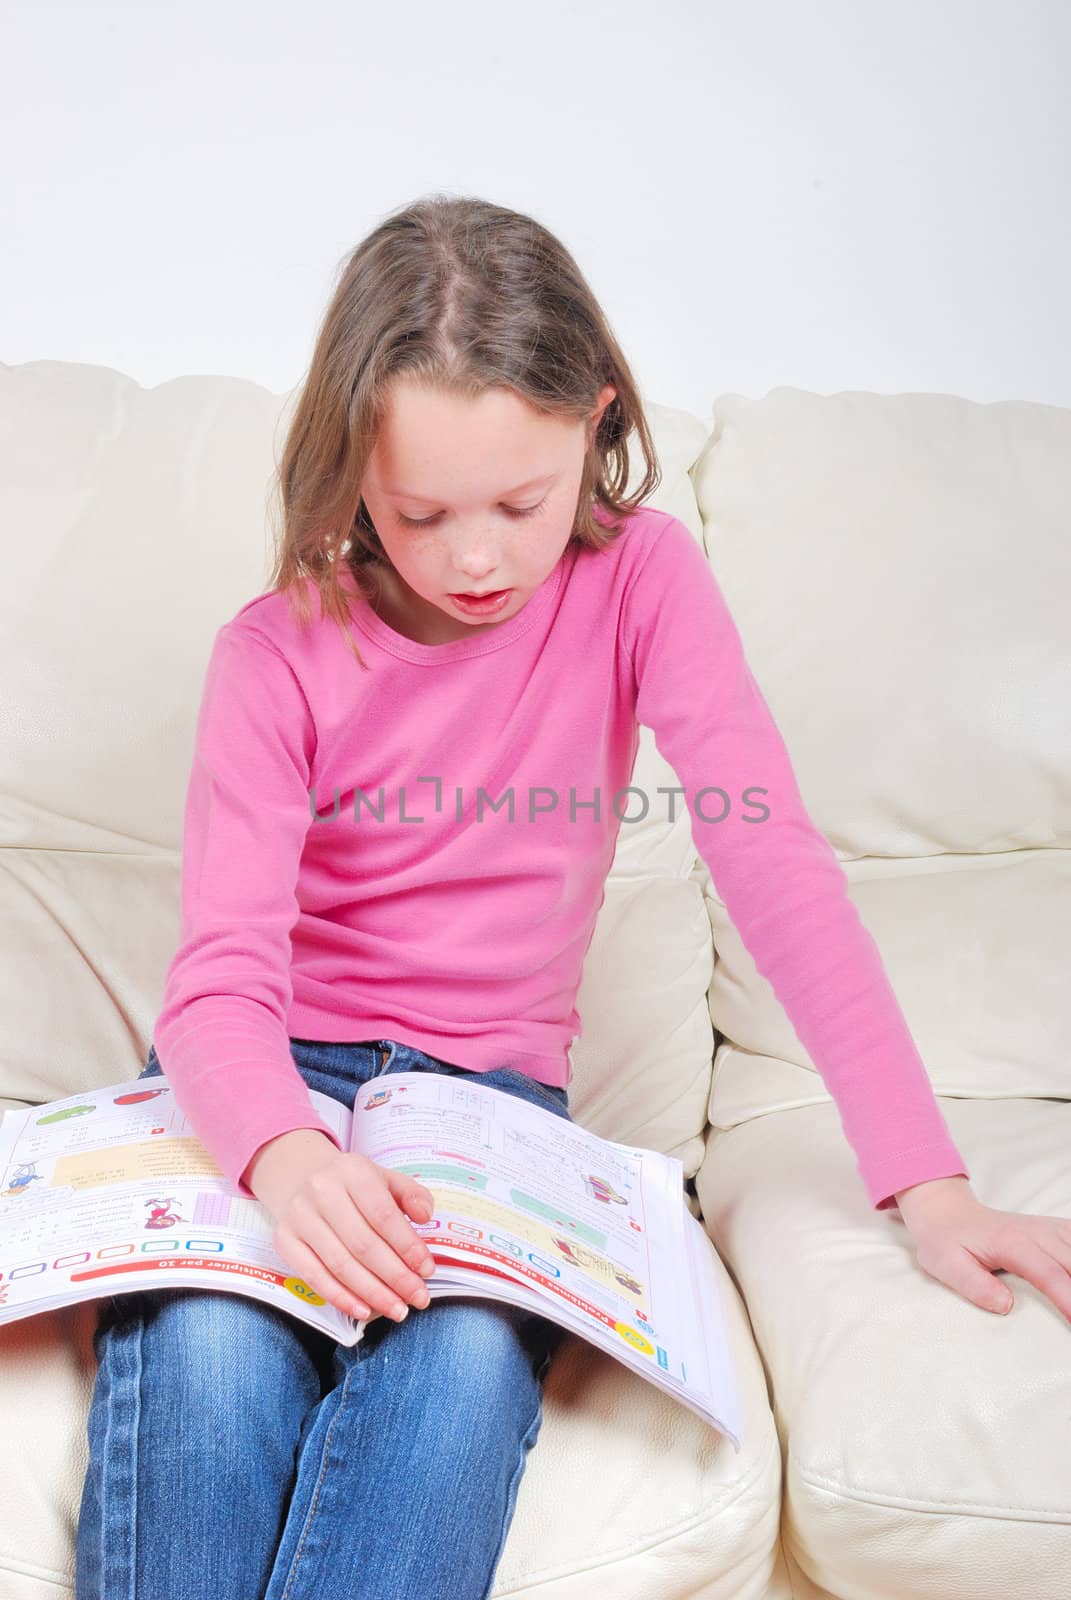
(238, 1454)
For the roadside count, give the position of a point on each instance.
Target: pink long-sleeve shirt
(431, 913)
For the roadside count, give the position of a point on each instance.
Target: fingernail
(427, 1268)
(399, 1312)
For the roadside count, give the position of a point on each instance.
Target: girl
(395, 848)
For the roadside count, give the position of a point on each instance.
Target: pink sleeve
(221, 1035)
(778, 877)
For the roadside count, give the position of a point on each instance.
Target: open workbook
(110, 1192)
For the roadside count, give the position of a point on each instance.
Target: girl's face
(469, 497)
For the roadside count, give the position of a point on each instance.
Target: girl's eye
(428, 522)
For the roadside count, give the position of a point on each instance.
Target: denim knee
(220, 1354)
(480, 1351)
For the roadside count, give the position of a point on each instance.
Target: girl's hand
(962, 1243)
(342, 1225)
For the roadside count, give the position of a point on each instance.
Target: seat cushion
(900, 571)
(927, 1443)
(968, 942)
(47, 1368)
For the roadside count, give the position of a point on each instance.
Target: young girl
(413, 759)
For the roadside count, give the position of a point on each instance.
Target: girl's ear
(607, 394)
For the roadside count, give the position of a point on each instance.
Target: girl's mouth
(482, 605)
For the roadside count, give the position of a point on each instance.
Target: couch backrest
(900, 570)
(134, 526)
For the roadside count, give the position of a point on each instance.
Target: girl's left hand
(962, 1243)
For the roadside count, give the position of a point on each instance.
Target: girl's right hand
(341, 1224)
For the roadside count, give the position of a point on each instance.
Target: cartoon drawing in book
(599, 1189)
(23, 1176)
(162, 1215)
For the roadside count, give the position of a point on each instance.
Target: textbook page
(110, 1192)
(537, 1210)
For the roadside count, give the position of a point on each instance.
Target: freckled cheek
(417, 555)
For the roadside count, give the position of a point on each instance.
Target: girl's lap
(469, 1345)
(453, 1334)
(207, 1338)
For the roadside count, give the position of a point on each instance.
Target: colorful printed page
(111, 1192)
(536, 1210)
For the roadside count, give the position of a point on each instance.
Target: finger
(961, 1271)
(411, 1197)
(296, 1254)
(1042, 1264)
(392, 1244)
(1058, 1250)
(362, 1212)
(352, 1267)
(394, 1193)
(1033, 1262)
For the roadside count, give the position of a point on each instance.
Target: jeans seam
(126, 1395)
(527, 1441)
(320, 1481)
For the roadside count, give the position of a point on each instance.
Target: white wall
(835, 194)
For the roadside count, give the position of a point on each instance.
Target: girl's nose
(476, 568)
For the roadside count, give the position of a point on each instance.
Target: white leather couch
(900, 568)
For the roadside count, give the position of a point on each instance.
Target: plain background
(835, 194)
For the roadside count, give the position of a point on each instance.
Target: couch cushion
(968, 943)
(925, 1441)
(133, 519)
(900, 571)
(47, 1368)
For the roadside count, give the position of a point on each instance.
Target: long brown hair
(461, 295)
